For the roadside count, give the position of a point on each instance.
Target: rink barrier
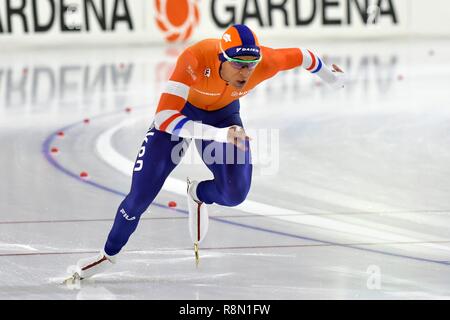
(120, 22)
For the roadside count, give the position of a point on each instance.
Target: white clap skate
(198, 217)
(88, 267)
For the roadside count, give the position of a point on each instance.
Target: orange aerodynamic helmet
(239, 40)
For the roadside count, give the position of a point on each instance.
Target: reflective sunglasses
(239, 63)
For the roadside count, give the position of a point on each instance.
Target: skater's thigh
(225, 160)
(159, 154)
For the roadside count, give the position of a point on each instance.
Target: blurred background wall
(120, 22)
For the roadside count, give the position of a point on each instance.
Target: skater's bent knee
(235, 196)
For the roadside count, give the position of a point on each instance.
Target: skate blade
(72, 279)
(197, 257)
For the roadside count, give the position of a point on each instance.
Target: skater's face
(238, 73)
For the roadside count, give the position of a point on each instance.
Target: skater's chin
(240, 84)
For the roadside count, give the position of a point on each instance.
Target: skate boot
(88, 267)
(198, 216)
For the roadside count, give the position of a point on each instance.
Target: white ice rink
(350, 201)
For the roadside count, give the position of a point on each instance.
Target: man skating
(201, 103)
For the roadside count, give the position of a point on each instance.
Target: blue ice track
(46, 146)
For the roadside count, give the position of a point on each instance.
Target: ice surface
(351, 201)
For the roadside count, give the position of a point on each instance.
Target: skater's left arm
(289, 58)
